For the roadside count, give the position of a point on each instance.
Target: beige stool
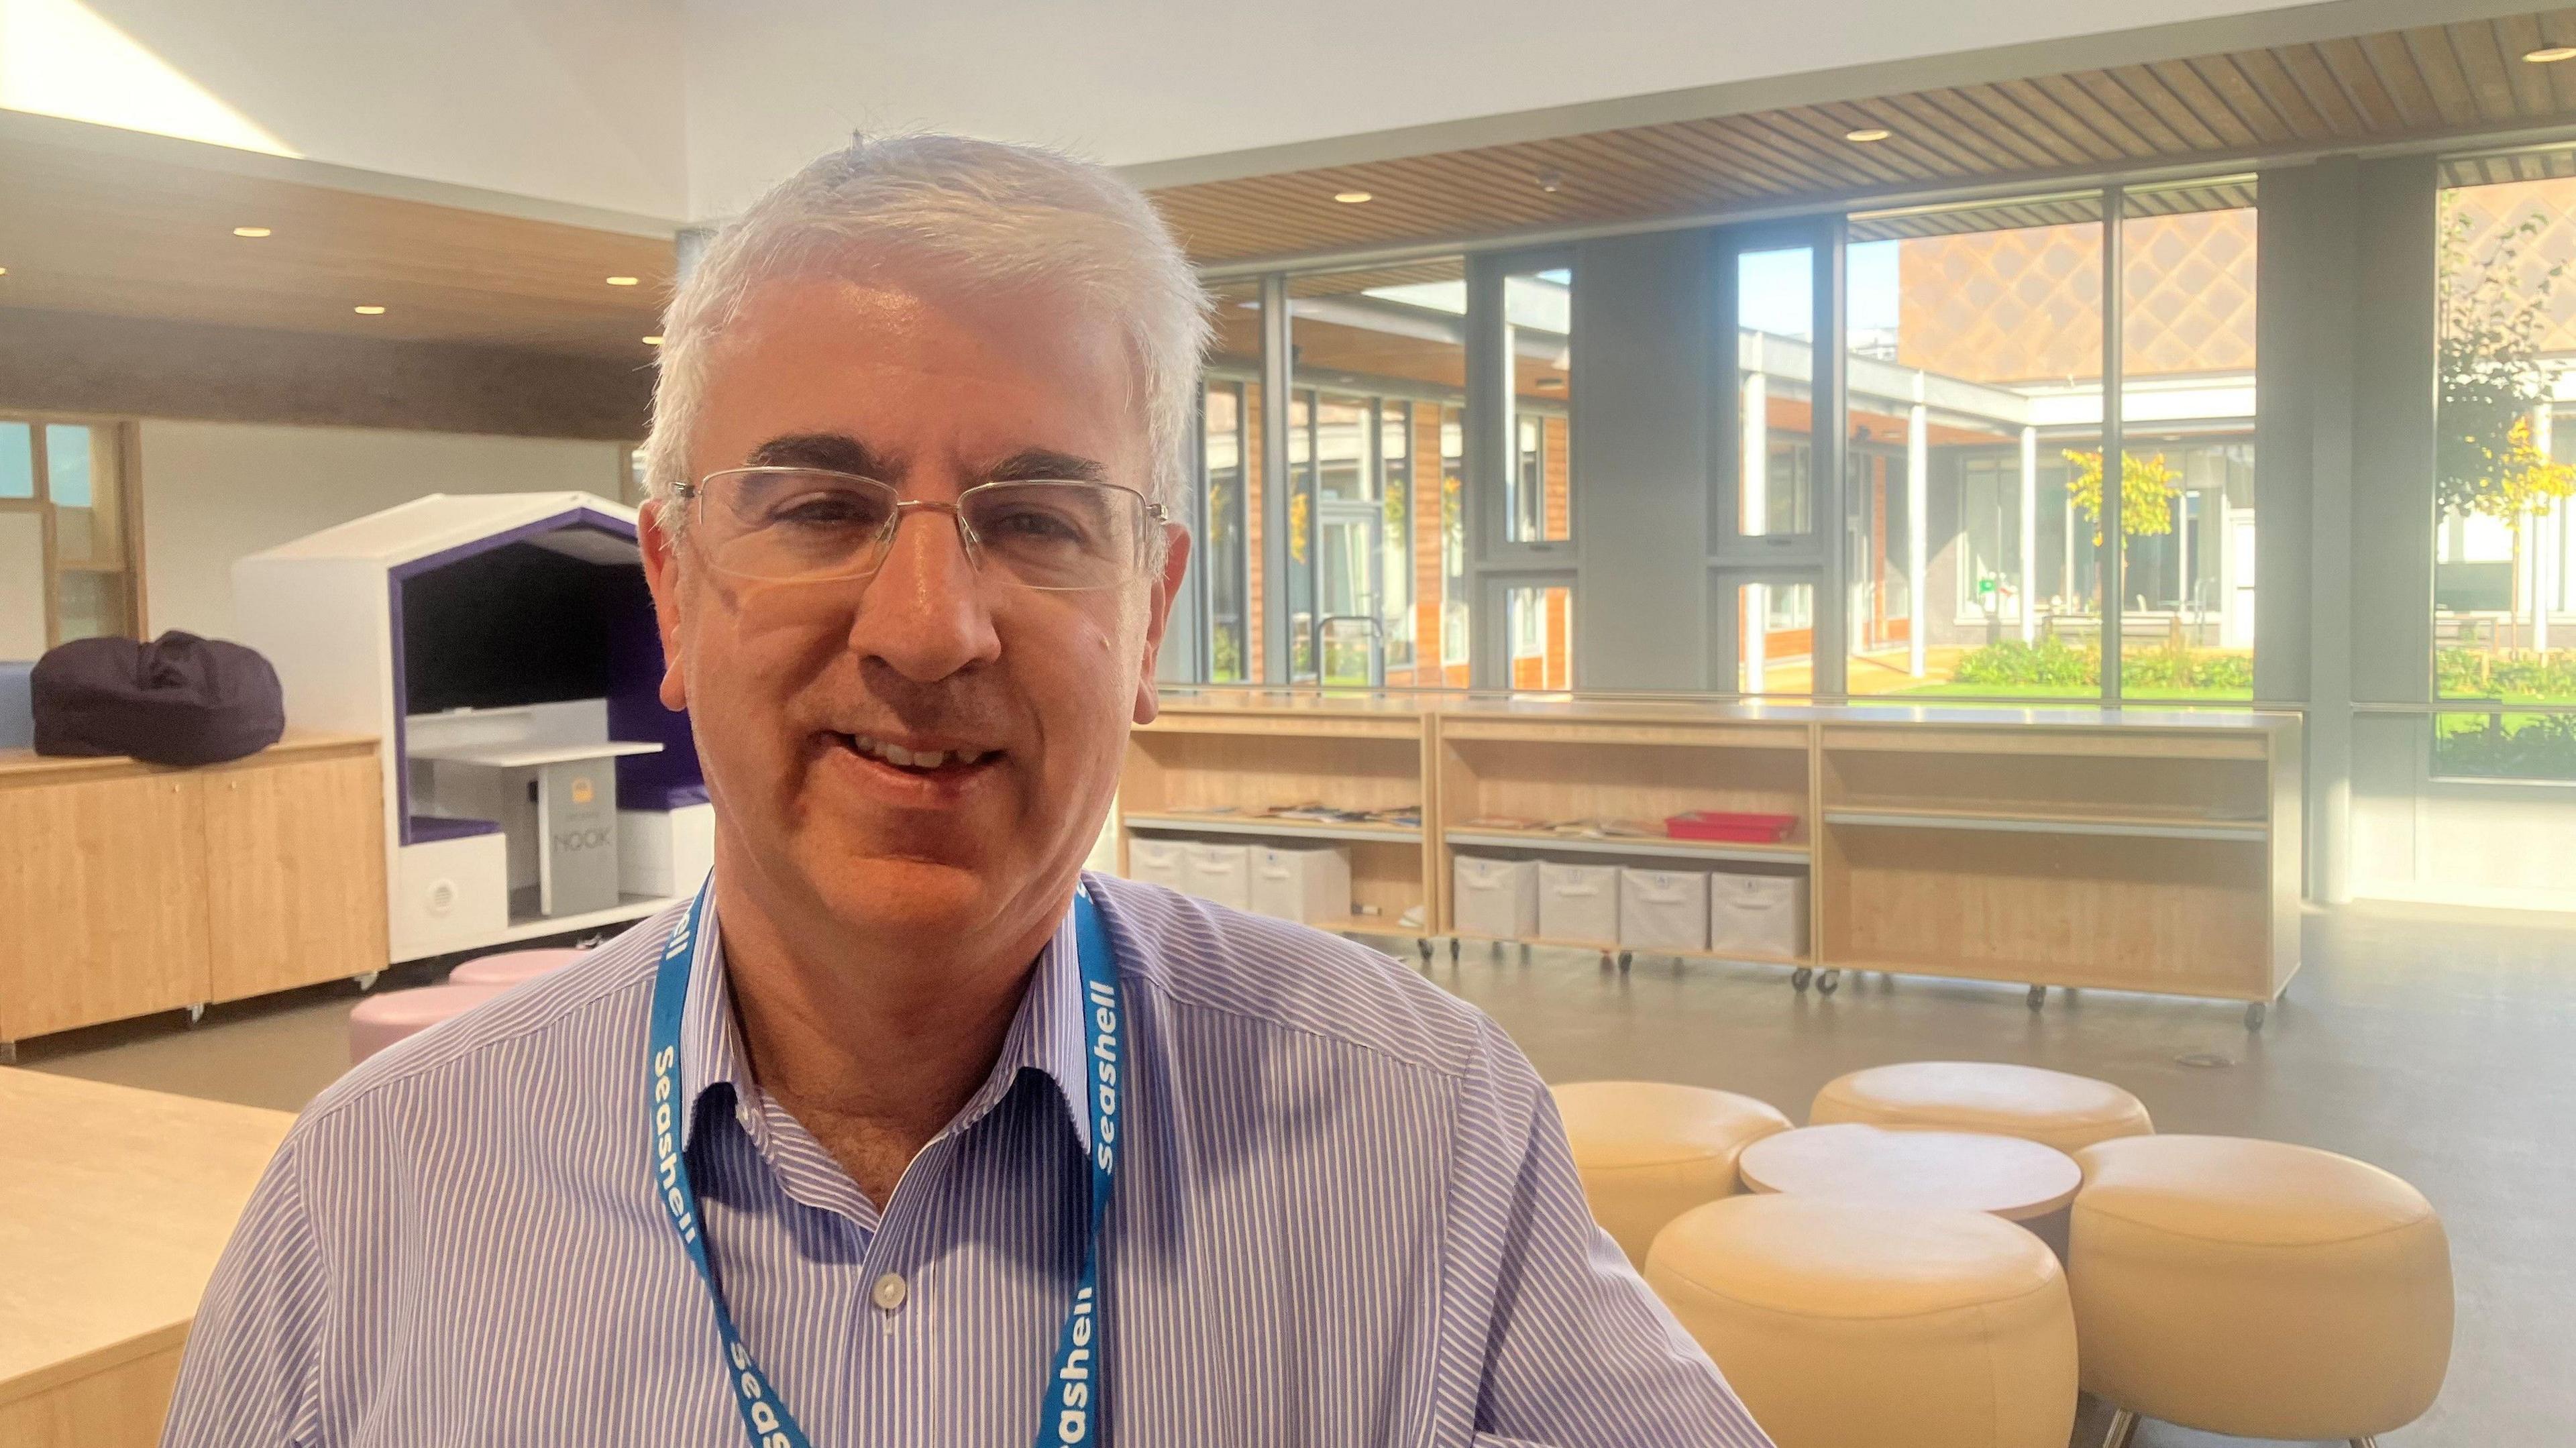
(2257, 1289)
(1853, 1325)
(1649, 1151)
(2049, 1107)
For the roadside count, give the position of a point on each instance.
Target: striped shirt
(1345, 1214)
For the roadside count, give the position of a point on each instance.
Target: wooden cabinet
(295, 874)
(102, 903)
(127, 889)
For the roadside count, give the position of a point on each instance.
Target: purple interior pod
(547, 612)
(424, 829)
(672, 778)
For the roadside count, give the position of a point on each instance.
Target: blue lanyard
(1069, 1415)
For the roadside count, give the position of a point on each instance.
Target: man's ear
(662, 575)
(1166, 587)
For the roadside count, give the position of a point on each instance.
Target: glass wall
(2187, 417)
(1228, 549)
(1973, 338)
(1774, 331)
(66, 551)
(1538, 488)
(1378, 418)
(2504, 571)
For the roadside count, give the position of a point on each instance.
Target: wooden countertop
(25, 766)
(1682, 709)
(113, 1206)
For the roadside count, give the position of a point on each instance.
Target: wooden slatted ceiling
(82, 232)
(2434, 80)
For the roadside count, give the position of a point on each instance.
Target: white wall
(772, 82)
(213, 491)
(568, 100)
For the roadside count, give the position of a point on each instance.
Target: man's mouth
(918, 759)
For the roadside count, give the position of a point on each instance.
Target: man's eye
(827, 510)
(1037, 525)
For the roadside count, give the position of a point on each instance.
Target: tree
(2147, 491)
(2495, 316)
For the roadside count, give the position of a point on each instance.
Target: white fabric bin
(1760, 915)
(1159, 862)
(1663, 909)
(1309, 883)
(1219, 873)
(1494, 897)
(1578, 904)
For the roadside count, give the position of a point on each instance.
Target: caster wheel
(1829, 982)
(2038, 996)
(2254, 1015)
(1626, 958)
(1425, 947)
(365, 980)
(1453, 950)
(1798, 978)
(196, 1012)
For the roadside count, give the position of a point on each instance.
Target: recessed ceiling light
(1867, 134)
(624, 281)
(1351, 198)
(253, 232)
(368, 311)
(652, 341)
(2550, 54)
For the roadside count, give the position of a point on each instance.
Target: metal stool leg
(2370, 1442)
(2124, 1426)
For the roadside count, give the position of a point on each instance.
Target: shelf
(1667, 849)
(2128, 826)
(627, 910)
(1737, 957)
(1283, 829)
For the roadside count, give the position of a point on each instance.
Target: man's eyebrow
(1039, 462)
(831, 451)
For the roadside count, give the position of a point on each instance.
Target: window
(2187, 415)
(66, 545)
(1540, 622)
(1379, 407)
(1775, 297)
(1227, 454)
(1538, 335)
(1778, 656)
(2504, 572)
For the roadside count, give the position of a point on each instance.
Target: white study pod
(502, 649)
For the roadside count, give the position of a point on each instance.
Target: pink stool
(512, 967)
(379, 1021)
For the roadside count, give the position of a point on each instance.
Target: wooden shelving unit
(2147, 850)
(1253, 752)
(2144, 853)
(1557, 760)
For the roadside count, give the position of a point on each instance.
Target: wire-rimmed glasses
(792, 524)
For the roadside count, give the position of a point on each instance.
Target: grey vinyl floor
(2440, 1046)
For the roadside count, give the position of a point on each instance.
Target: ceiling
(87, 231)
(2463, 80)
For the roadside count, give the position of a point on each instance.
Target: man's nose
(924, 612)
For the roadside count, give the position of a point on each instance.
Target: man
(905, 1131)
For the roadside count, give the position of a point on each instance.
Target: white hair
(983, 212)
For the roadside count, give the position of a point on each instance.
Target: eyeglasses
(808, 524)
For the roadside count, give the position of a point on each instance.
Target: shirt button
(889, 1292)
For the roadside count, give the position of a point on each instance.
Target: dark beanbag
(179, 699)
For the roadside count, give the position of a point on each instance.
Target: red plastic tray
(1702, 824)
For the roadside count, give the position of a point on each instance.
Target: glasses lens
(791, 523)
(1059, 535)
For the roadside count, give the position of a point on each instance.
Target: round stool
(2002, 1175)
(1853, 1325)
(512, 967)
(380, 1020)
(1649, 1151)
(2257, 1289)
(2049, 1107)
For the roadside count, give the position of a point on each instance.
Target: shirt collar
(1046, 1035)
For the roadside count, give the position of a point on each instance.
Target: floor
(2441, 1047)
